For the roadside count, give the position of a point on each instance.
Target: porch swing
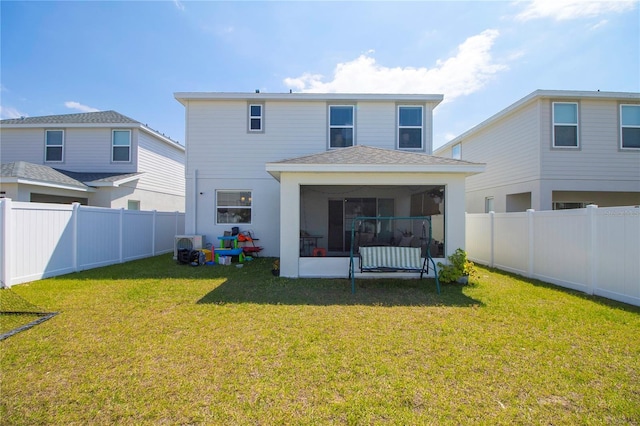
(387, 257)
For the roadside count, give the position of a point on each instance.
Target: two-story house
(102, 159)
(554, 149)
(294, 166)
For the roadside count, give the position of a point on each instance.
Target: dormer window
(341, 126)
(410, 127)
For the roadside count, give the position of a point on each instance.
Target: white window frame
(255, 117)
(47, 146)
(456, 151)
(489, 204)
(247, 199)
(631, 126)
(113, 145)
(352, 126)
(133, 204)
(554, 124)
(421, 127)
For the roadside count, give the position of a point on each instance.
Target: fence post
(121, 244)
(530, 243)
(75, 236)
(153, 233)
(5, 238)
(591, 239)
(492, 237)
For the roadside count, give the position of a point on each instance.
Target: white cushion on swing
(390, 257)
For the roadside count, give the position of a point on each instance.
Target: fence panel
(561, 248)
(595, 250)
(40, 240)
(617, 242)
(478, 238)
(512, 253)
(138, 227)
(99, 237)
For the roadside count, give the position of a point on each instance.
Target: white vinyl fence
(44, 240)
(594, 250)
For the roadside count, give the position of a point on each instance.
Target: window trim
(251, 117)
(633, 126)
(352, 126)
(46, 146)
(553, 126)
(421, 127)
(249, 207)
(489, 204)
(130, 146)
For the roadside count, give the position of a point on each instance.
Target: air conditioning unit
(189, 242)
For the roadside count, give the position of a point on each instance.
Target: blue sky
(68, 57)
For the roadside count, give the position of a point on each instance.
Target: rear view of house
(297, 168)
(102, 159)
(555, 150)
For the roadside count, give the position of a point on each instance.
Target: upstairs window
(630, 126)
(565, 125)
(456, 152)
(410, 127)
(121, 146)
(256, 118)
(54, 145)
(340, 126)
(233, 207)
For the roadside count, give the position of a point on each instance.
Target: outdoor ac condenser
(189, 242)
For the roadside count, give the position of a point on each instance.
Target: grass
(152, 342)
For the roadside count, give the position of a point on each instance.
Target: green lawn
(153, 342)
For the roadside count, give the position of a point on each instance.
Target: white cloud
(561, 10)
(462, 74)
(178, 4)
(9, 112)
(80, 107)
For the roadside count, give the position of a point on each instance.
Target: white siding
(22, 145)
(509, 148)
(162, 165)
(599, 157)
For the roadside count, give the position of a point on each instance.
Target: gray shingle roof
(367, 155)
(107, 117)
(40, 173)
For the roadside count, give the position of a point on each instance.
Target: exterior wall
(160, 187)
(519, 156)
(85, 149)
(223, 154)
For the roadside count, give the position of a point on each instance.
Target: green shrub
(457, 267)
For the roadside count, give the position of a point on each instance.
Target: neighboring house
(102, 159)
(291, 165)
(554, 150)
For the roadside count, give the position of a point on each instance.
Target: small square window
(54, 145)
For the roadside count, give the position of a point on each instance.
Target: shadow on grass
(576, 293)
(326, 292)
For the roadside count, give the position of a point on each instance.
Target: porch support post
(289, 226)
